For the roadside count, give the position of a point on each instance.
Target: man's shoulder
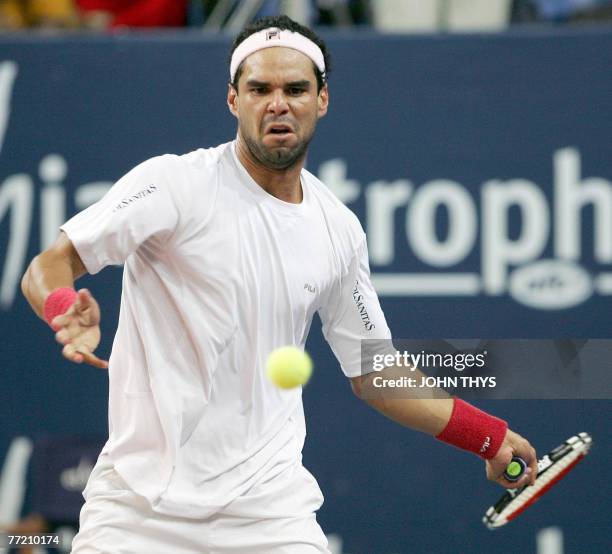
(190, 169)
(205, 158)
(200, 159)
(331, 204)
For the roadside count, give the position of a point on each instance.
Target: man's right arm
(77, 327)
(58, 266)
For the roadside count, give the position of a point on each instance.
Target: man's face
(277, 105)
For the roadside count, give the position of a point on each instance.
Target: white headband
(267, 38)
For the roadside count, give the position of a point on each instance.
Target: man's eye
(258, 90)
(294, 91)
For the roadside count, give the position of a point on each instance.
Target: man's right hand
(79, 330)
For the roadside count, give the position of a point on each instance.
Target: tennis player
(228, 252)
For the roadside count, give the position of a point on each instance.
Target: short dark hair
(284, 23)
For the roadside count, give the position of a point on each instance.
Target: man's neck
(284, 184)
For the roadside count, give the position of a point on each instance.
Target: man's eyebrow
(304, 83)
(256, 83)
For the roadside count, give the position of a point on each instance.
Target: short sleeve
(138, 207)
(353, 314)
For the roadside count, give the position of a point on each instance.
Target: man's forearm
(56, 267)
(433, 411)
(427, 411)
(42, 277)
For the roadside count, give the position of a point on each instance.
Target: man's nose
(278, 103)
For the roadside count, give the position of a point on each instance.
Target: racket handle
(515, 470)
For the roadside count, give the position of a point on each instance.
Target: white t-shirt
(217, 274)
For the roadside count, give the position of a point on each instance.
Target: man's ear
(323, 101)
(232, 99)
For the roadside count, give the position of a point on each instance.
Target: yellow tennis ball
(288, 367)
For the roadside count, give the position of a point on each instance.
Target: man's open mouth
(279, 130)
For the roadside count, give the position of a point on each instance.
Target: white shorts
(115, 520)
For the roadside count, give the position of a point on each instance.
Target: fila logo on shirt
(127, 201)
(485, 445)
(309, 288)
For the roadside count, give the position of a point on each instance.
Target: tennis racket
(551, 469)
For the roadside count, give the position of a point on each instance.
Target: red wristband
(57, 303)
(473, 430)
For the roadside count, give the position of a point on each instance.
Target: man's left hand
(513, 445)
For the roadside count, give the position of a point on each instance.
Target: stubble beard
(278, 158)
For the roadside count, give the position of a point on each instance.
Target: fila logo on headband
(274, 33)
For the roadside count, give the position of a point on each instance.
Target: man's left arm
(453, 421)
(355, 327)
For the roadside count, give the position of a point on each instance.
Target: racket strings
(553, 471)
